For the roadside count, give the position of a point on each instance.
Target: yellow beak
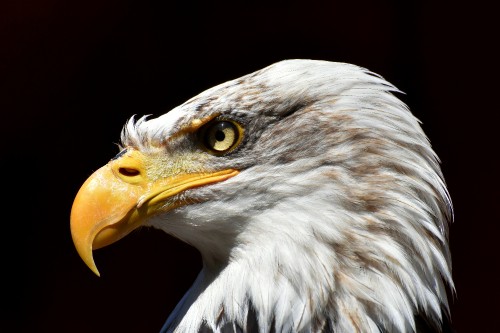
(119, 197)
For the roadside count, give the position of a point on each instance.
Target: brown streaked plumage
(317, 204)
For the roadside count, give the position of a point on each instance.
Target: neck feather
(314, 277)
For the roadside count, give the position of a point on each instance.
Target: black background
(72, 73)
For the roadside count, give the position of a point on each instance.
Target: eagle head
(310, 190)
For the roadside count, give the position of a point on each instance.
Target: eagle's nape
(311, 192)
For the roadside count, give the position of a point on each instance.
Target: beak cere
(119, 197)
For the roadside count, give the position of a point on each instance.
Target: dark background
(72, 73)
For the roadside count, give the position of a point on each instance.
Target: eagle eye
(221, 136)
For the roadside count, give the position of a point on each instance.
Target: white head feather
(338, 219)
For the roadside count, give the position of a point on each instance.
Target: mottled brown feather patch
(195, 125)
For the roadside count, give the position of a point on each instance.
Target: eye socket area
(221, 136)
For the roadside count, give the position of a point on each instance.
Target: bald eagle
(309, 189)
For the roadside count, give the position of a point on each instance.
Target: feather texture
(338, 220)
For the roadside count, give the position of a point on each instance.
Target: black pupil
(219, 135)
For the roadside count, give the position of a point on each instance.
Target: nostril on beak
(128, 172)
